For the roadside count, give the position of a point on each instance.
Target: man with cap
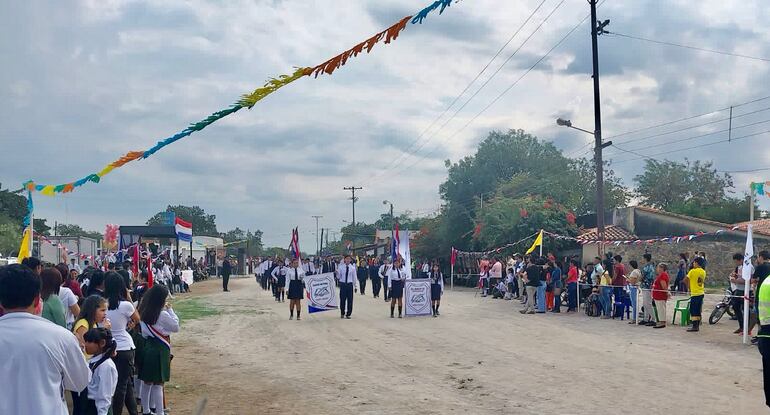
(348, 281)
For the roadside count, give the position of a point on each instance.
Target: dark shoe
(437, 313)
(399, 316)
(523, 311)
(659, 326)
(291, 317)
(342, 316)
(347, 317)
(531, 312)
(642, 323)
(693, 328)
(651, 324)
(298, 319)
(391, 316)
(738, 331)
(632, 322)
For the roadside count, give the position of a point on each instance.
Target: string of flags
(246, 101)
(75, 254)
(667, 239)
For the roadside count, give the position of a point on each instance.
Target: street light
(598, 147)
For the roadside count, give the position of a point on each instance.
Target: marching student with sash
(279, 280)
(158, 321)
(436, 288)
(348, 282)
(296, 276)
(396, 277)
(384, 271)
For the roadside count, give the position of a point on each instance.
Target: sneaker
(738, 331)
(642, 323)
(659, 326)
(347, 317)
(523, 311)
(632, 322)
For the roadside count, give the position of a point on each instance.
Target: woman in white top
(279, 281)
(71, 307)
(158, 321)
(396, 277)
(436, 288)
(296, 276)
(123, 317)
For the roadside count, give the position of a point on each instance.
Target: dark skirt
(156, 361)
(295, 290)
(435, 292)
(281, 281)
(397, 289)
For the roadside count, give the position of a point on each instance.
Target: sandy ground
(480, 357)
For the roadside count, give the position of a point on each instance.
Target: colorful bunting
(247, 100)
(759, 188)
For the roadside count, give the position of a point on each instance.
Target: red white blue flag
(183, 230)
(294, 245)
(395, 243)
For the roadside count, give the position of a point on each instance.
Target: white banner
(417, 297)
(403, 250)
(320, 292)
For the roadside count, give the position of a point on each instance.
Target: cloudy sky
(83, 82)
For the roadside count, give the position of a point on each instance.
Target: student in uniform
(384, 272)
(123, 316)
(93, 313)
(436, 288)
(158, 321)
(348, 282)
(279, 281)
(265, 269)
(104, 374)
(361, 272)
(296, 276)
(396, 277)
(374, 275)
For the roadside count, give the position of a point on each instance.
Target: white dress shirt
(104, 380)
(437, 278)
(167, 323)
(347, 273)
(279, 270)
(397, 275)
(426, 268)
(384, 269)
(38, 361)
(291, 275)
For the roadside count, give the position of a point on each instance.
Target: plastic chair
(683, 307)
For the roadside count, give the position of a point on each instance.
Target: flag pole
(747, 278)
(452, 271)
(541, 242)
(31, 232)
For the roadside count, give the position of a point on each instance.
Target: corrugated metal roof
(611, 233)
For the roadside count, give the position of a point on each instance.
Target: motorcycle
(722, 307)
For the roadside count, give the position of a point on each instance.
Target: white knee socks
(145, 394)
(157, 398)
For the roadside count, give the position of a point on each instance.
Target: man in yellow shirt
(696, 279)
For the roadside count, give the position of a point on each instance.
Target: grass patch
(193, 308)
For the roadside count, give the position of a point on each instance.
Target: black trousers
(764, 350)
(225, 280)
(362, 283)
(385, 290)
(346, 298)
(124, 392)
(737, 303)
(376, 284)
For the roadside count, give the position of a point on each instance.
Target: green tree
(41, 227)
(691, 188)
(10, 236)
(13, 205)
(203, 223)
(64, 229)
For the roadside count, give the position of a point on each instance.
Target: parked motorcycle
(722, 307)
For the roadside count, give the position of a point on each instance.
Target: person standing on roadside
(532, 277)
(737, 286)
(227, 269)
(384, 271)
(696, 279)
(648, 277)
(374, 275)
(660, 293)
(633, 287)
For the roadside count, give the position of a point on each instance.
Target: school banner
(417, 297)
(320, 292)
(403, 250)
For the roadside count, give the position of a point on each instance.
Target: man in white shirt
(39, 360)
(425, 269)
(74, 265)
(346, 275)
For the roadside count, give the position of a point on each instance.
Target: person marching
(348, 281)
(227, 269)
(296, 276)
(384, 271)
(374, 275)
(396, 277)
(436, 288)
(279, 281)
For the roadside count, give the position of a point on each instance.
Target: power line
(660, 42)
(505, 91)
(433, 135)
(457, 98)
(687, 118)
(651, 156)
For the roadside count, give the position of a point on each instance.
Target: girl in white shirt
(123, 317)
(396, 277)
(104, 375)
(436, 288)
(158, 321)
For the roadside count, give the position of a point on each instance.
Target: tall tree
(64, 229)
(203, 223)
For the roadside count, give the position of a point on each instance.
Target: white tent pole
(747, 280)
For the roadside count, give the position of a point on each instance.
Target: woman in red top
(660, 294)
(572, 286)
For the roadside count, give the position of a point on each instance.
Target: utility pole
(353, 190)
(597, 28)
(317, 246)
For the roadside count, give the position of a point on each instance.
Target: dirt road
(480, 357)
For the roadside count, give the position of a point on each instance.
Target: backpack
(592, 305)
